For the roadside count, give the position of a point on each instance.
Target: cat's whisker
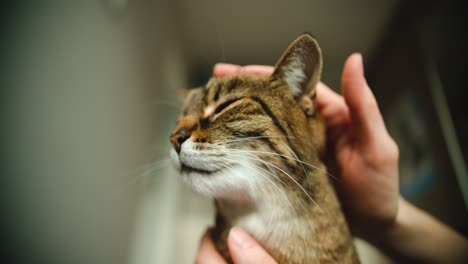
(253, 157)
(146, 171)
(248, 138)
(274, 172)
(312, 166)
(253, 165)
(255, 168)
(261, 174)
(304, 206)
(294, 180)
(297, 159)
(285, 173)
(290, 157)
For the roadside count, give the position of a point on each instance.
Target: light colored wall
(75, 135)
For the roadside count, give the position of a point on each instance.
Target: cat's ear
(300, 68)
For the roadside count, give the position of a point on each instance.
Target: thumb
(245, 250)
(364, 111)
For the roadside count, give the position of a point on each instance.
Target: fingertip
(353, 66)
(244, 249)
(207, 252)
(353, 82)
(357, 57)
(261, 70)
(225, 69)
(205, 241)
(364, 111)
(239, 238)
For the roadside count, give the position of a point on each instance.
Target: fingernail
(360, 55)
(357, 61)
(240, 238)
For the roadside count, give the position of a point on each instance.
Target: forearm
(416, 236)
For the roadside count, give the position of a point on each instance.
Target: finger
(224, 69)
(364, 111)
(262, 70)
(332, 106)
(207, 252)
(245, 250)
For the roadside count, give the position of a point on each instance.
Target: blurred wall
(257, 32)
(75, 133)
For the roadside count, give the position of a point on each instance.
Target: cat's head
(240, 136)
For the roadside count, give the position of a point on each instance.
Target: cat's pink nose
(178, 138)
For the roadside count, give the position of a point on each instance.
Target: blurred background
(89, 95)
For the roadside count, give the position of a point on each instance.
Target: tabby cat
(255, 145)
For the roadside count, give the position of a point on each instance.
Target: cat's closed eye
(225, 104)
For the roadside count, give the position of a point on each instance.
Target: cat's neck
(271, 220)
(275, 221)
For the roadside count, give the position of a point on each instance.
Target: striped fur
(256, 146)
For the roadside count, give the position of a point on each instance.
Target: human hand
(242, 247)
(365, 156)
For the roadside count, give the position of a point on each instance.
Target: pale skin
(367, 164)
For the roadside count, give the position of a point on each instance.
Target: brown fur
(265, 106)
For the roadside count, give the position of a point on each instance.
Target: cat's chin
(207, 183)
(186, 169)
(216, 184)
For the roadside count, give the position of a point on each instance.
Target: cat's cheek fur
(190, 155)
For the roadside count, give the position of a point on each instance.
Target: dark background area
(423, 56)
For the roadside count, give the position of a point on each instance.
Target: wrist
(380, 233)
(391, 237)
(403, 217)
(416, 236)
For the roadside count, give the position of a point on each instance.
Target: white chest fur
(272, 222)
